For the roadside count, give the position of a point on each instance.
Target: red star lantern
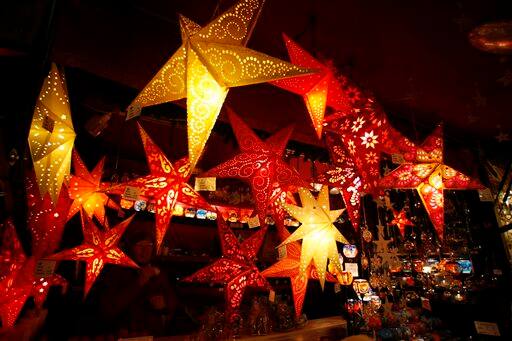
(45, 220)
(344, 176)
(87, 191)
(166, 185)
(260, 163)
(318, 90)
(236, 268)
(430, 177)
(19, 282)
(401, 221)
(98, 249)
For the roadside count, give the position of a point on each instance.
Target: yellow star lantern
(51, 135)
(211, 60)
(318, 234)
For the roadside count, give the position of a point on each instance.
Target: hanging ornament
(367, 235)
(51, 135)
(260, 163)
(400, 220)
(98, 248)
(344, 176)
(430, 176)
(318, 90)
(318, 234)
(166, 185)
(350, 251)
(235, 269)
(87, 191)
(383, 252)
(211, 60)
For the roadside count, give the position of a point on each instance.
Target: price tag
(253, 222)
(337, 288)
(485, 195)
(48, 123)
(487, 328)
(206, 184)
(44, 268)
(281, 252)
(131, 193)
(353, 268)
(139, 338)
(397, 158)
(133, 111)
(425, 304)
(272, 296)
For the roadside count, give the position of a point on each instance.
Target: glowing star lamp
(430, 177)
(401, 221)
(318, 90)
(166, 185)
(235, 269)
(318, 234)
(211, 60)
(97, 249)
(260, 163)
(87, 191)
(51, 135)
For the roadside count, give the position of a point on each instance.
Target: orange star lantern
(430, 177)
(318, 234)
(98, 249)
(166, 185)
(211, 60)
(51, 135)
(87, 191)
(235, 269)
(260, 163)
(401, 221)
(318, 90)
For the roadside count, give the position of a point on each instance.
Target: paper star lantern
(430, 177)
(235, 269)
(260, 163)
(318, 234)
(209, 62)
(51, 135)
(165, 185)
(45, 220)
(401, 221)
(318, 90)
(97, 249)
(87, 191)
(344, 176)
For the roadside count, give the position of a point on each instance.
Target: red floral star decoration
(98, 248)
(430, 177)
(400, 220)
(166, 185)
(260, 163)
(318, 90)
(88, 192)
(344, 176)
(17, 278)
(235, 269)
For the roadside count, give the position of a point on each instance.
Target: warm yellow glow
(316, 100)
(51, 135)
(318, 234)
(210, 61)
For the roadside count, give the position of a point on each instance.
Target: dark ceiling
(413, 55)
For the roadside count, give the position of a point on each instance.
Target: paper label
(397, 158)
(44, 268)
(272, 296)
(485, 195)
(281, 252)
(206, 184)
(425, 304)
(139, 338)
(133, 111)
(253, 222)
(48, 123)
(131, 193)
(353, 268)
(487, 328)
(337, 288)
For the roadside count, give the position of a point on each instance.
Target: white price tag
(487, 328)
(485, 195)
(131, 193)
(353, 268)
(206, 184)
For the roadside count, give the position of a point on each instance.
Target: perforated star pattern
(318, 234)
(400, 220)
(211, 60)
(51, 135)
